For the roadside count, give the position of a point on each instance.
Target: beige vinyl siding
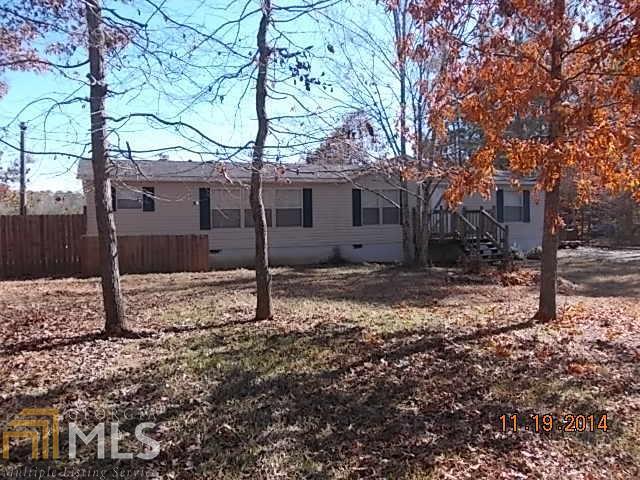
(177, 212)
(525, 235)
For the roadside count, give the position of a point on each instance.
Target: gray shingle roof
(167, 170)
(196, 171)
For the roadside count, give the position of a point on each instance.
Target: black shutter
(307, 208)
(205, 209)
(400, 202)
(148, 199)
(114, 200)
(526, 206)
(356, 207)
(500, 204)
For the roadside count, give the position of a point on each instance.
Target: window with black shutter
(356, 207)
(526, 206)
(114, 200)
(148, 199)
(204, 202)
(307, 208)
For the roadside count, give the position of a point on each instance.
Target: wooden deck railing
(471, 226)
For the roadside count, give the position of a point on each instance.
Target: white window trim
(268, 200)
(513, 198)
(227, 204)
(381, 204)
(276, 207)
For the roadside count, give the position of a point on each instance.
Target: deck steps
(488, 251)
(479, 232)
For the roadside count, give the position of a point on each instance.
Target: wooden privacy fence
(40, 245)
(57, 245)
(155, 253)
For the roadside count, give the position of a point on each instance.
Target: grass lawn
(366, 372)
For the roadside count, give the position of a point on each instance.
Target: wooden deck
(480, 234)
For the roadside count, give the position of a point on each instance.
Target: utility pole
(23, 181)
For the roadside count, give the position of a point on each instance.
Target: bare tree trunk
(107, 240)
(406, 223)
(399, 20)
(423, 224)
(263, 277)
(549, 264)
(418, 231)
(423, 202)
(625, 210)
(550, 236)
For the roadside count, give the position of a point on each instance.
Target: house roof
(192, 171)
(197, 171)
(505, 176)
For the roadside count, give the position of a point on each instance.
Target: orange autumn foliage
(501, 71)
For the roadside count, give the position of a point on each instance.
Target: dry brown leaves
(352, 379)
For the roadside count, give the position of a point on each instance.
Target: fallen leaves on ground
(365, 372)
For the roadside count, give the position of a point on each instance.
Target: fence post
(23, 180)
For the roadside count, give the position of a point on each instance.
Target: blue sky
(181, 88)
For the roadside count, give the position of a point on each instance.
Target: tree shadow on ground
(160, 295)
(603, 273)
(57, 342)
(384, 285)
(380, 284)
(319, 403)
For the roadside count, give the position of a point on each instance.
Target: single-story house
(314, 212)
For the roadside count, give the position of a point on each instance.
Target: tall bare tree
(400, 16)
(263, 276)
(107, 240)
(387, 81)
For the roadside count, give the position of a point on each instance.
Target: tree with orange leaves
(572, 65)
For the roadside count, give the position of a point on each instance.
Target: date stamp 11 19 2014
(547, 423)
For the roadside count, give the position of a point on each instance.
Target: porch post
(481, 227)
(507, 247)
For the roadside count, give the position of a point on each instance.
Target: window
(390, 211)
(288, 208)
(226, 218)
(370, 209)
(248, 217)
(267, 200)
(148, 199)
(381, 207)
(513, 206)
(226, 208)
(128, 199)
